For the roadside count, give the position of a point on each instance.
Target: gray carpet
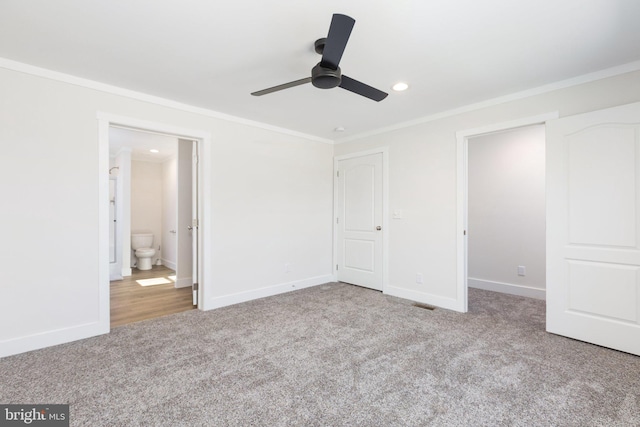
(334, 355)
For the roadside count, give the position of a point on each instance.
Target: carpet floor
(334, 355)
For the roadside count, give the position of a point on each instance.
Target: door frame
(462, 167)
(385, 209)
(105, 121)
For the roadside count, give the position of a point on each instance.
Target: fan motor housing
(325, 78)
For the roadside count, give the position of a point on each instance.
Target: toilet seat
(145, 252)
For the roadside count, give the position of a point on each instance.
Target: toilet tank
(141, 240)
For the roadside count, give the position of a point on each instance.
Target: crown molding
(139, 96)
(115, 90)
(563, 84)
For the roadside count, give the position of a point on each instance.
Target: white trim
(507, 288)
(563, 84)
(461, 222)
(512, 124)
(205, 222)
(50, 338)
(103, 231)
(462, 138)
(423, 297)
(169, 264)
(267, 291)
(160, 128)
(385, 218)
(385, 209)
(115, 90)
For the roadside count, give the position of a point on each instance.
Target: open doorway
(201, 141)
(151, 231)
(506, 211)
(462, 240)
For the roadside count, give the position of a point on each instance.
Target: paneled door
(359, 221)
(593, 227)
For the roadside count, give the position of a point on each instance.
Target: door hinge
(338, 174)
(195, 159)
(336, 266)
(338, 220)
(194, 293)
(465, 232)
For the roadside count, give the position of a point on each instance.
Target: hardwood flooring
(131, 302)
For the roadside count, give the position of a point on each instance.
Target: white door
(195, 223)
(593, 227)
(115, 245)
(359, 221)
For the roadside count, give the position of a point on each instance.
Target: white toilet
(142, 244)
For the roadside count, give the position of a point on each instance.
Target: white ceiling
(141, 143)
(213, 54)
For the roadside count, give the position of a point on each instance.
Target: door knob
(189, 227)
(378, 228)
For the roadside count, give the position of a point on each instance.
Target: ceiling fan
(327, 74)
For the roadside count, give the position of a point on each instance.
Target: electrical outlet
(522, 270)
(419, 278)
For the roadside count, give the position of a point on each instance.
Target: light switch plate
(397, 214)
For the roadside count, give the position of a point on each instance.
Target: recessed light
(153, 150)
(399, 87)
(339, 129)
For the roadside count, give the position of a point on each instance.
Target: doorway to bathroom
(152, 239)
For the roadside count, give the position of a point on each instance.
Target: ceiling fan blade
(282, 86)
(339, 32)
(362, 89)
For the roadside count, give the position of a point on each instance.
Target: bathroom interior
(150, 254)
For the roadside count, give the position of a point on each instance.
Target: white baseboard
(170, 264)
(184, 282)
(507, 288)
(425, 298)
(223, 301)
(50, 338)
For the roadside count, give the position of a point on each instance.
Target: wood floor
(131, 302)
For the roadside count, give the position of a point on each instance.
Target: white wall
(271, 209)
(169, 212)
(271, 201)
(506, 211)
(123, 162)
(422, 181)
(146, 201)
